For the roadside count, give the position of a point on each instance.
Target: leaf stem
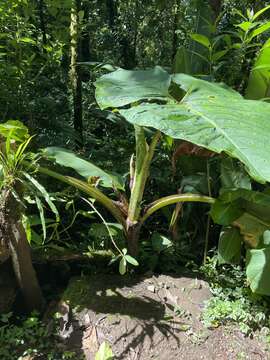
(173, 199)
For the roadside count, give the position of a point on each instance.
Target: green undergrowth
(30, 338)
(233, 302)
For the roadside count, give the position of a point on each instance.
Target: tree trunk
(128, 46)
(75, 74)
(12, 233)
(112, 12)
(42, 22)
(175, 25)
(216, 6)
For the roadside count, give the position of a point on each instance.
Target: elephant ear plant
(206, 114)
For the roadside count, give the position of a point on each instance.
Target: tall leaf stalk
(136, 216)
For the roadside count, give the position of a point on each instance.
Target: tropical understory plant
(209, 115)
(206, 114)
(17, 186)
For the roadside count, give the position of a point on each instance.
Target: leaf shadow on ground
(109, 301)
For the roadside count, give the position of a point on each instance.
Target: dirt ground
(148, 318)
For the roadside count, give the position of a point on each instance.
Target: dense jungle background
(134, 139)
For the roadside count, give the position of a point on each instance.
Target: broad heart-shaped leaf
(233, 203)
(214, 117)
(258, 270)
(83, 167)
(247, 210)
(123, 87)
(252, 229)
(229, 246)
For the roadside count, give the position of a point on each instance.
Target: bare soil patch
(153, 317)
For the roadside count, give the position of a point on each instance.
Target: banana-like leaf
(123, 87)
(259, 79)
(83, 167)
(210, 115)
(216, 118)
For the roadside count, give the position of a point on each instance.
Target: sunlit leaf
(122, 266)
(201, 39)
(131, 260)
(258, 270)
(123, 87)
(83, 167)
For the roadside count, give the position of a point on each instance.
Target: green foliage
(248, 211)
(201, 117)
(232, 301)
(30, 337)
(34, 53)
(123, 87)
(259, 78)
(258, 270)
(85, 168)
(13, 155)
(229, 246)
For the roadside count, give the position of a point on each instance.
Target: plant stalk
(144, 156)
(90, 191)
(173, 199)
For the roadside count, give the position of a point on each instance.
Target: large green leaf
(85, 168)
(123, 87)
(210, 115)
(229, 246)
(247, 210)
(258, 270)
(214, 117)
(252, 228)
(233, 203)
(259, 79)
(224, 213)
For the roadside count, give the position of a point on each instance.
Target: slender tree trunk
(42, 22)
(216, 7)
(12, 233)
(75, 73)
(128, 47)
(175, 25)
(112, 12)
